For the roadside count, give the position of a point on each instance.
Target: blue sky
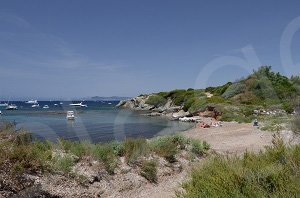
(67, 49)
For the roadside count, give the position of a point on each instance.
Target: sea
(101, 121)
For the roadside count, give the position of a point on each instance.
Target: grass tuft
(273, 173)
(149, 170)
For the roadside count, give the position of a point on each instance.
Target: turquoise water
(100, 122)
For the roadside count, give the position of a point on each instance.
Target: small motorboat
(45, 107)
(83, 105)
(35, 105)
(61, 103)
(31, 102)
(0, 112)
(70, 115)
(12, 107)
(78, 105)
(3, 104)
(55, 104)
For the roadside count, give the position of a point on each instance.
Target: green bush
(106, 154)
(63, 163)
(216, 99)
(272, 173)
(198, 105)
(134, 148)
(295, 124)
(156, 100)
(165, 147)
(118, 148)
(187, 105)
(198, 147)
(79, 149)
(180, 140)
(233, 90)
(218, 91)
(287, 107)
(149, 171)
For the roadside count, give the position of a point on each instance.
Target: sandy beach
(232, 138)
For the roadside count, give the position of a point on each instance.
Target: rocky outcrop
(140, 104)
(137, 103)
(211, 112)
(180, 114)
(168, 109)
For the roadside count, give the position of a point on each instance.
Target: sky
(80, 48)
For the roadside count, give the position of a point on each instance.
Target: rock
(190, 119)
(93, 172)
(121, 103)
(154, 114)
(180, 114)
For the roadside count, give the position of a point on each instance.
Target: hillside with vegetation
(264, 89)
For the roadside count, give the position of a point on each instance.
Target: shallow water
(99, 122)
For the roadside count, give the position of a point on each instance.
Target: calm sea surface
(100, 122)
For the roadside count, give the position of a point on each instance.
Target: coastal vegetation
(21, 155)
(272, 173)
(263, 89)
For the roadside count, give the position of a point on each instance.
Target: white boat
(55, 104)
(0, 112)
(70, 115)
(78, 105)
(35, 105)
(61, 103)
(32, 102)
(3, 104)
(45, 107)
(12, 107)
(109, 103)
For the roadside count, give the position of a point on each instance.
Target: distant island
(111, 98)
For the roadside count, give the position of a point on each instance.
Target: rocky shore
(169, 109)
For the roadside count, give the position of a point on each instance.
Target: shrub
(118, 148)
(79, 149)
(106, 154)
(189, 103)
(233, 90)
(180, 140)
(156, 100)
(165, 147)
(272, 173)
(295, 124)
(134, 148)
(198, 105)
(218, 90)
(149, 171)
(63, 163)
(287, 107)
(199, 147)
(216, 99)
